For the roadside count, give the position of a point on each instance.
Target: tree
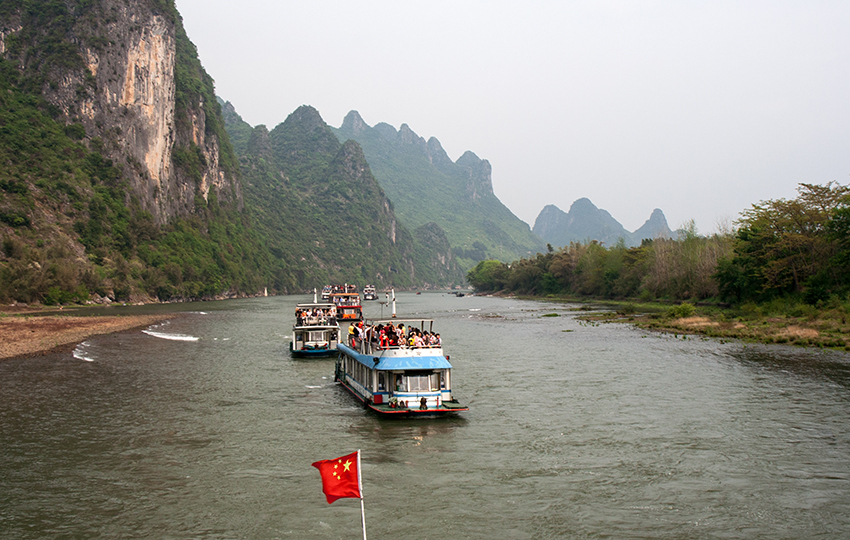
(488, 275)
(785, 247)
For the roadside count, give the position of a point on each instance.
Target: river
(204, 427)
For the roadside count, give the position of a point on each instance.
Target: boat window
(399, 383)
(418, 383)
(381, 381)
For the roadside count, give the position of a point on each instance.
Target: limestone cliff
(127, 72)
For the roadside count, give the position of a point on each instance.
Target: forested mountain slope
(322, 213)
(425, 185)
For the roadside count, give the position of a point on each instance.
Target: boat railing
(316, 321)
(371, 347)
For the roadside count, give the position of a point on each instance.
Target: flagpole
(362, 506)
(363, 517)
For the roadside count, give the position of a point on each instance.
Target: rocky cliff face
(129, 75)
(479, 181)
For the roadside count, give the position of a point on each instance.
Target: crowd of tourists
(391, 336)
(315, 316)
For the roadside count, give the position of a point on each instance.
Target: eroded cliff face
(479, 181)
(124, 91)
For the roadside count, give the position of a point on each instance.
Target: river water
(204, 427)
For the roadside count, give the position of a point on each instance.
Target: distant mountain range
(585, 222)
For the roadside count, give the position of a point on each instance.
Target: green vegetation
(796, 249)
(661, 269)
(799, 248)
(316, 205)
(195, 91)
(426, 186)
(783, 276)
(73, 224)
(70, 226)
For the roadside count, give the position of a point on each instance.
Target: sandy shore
(36, 334)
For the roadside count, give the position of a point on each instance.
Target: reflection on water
(816, 365)
(574, 432)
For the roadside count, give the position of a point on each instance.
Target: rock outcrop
(129, 75)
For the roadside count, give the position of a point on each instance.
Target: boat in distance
(315, 333)
(370, 293)
(348, 306)
(328, 290)
(398, 369)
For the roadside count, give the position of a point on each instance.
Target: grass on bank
(783, 321)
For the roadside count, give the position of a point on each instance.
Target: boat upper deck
(398, 344)
(345, 299)
(316, 315)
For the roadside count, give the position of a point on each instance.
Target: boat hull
(400, 402)
(446, 408)
(313, 353)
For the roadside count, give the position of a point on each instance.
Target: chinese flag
(340, 476)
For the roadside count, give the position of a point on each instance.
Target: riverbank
(797, 324)
(30, 332)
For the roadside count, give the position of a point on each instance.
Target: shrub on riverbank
(780, 322)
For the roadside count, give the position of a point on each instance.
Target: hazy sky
(697, 108)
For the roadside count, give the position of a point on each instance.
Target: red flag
(340, 476)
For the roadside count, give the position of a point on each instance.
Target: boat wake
(81, 352)
(173, 337)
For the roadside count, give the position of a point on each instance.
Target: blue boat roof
(398, 362)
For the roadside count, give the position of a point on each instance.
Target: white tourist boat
(398, 376)
(316, 331)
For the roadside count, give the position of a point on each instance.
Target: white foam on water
(173, 337)
(308, 386)
(80, 352)
(478, 309)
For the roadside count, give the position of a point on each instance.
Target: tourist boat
(348, 306)
(395, 380)
(316, 331)
(369, 293)
(326, 293)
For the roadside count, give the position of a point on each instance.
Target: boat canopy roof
(412, 362)
(325, 305)
(389, 363)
